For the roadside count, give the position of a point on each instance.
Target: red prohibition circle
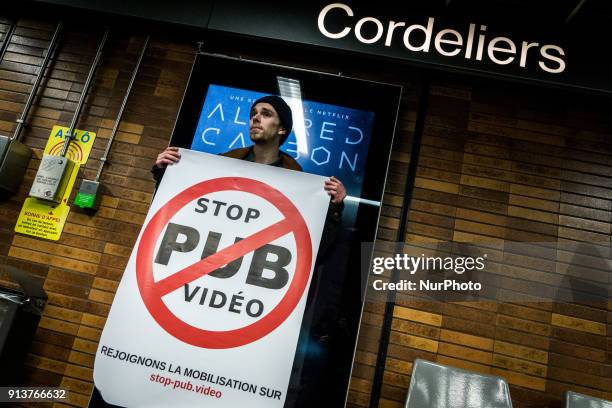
(152, 291)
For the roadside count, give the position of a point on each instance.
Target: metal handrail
(77, 112)
(43, 67)
(7, 40)
(120, 114)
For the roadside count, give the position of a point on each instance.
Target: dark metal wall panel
(518, 41)
(185, 12)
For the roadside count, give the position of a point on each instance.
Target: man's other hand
(169, 156)
(335, 189)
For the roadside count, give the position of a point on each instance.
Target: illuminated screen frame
(336, 288)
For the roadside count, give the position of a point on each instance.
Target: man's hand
(169, 156)
(335, 189)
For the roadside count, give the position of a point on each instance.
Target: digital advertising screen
(327, 140)
(342, 127)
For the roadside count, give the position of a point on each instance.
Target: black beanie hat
(282, 109)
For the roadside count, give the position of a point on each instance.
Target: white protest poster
(209, 308)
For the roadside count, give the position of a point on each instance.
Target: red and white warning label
(216, 284)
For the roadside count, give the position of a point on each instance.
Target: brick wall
(500, 165)
(81, 271)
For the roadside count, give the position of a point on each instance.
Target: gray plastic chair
(575, 400)
(438, 386)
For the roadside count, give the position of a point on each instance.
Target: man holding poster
(209, 308)
(270, 123)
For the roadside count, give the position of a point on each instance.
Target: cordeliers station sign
(531, 49)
